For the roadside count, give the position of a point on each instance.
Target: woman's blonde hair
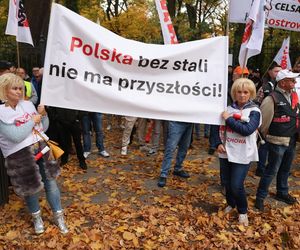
(8, 81)
(243, 83)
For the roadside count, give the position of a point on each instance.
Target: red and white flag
(283, 57)
(17, 23)
(254, 33)
(167, 28)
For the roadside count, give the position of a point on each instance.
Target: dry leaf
(128, 236)
(52, 243)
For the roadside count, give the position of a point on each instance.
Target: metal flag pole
(18, 54)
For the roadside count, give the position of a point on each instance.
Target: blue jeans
(206, 130)
(197, 130)
(179, 134)
(263, 155)
(280, 163)
(234, 175)
(52, 193)
(96, 119)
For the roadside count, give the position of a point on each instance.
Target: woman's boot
(38, 222)
(60, 222)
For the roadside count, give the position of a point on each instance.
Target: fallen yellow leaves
(131, 237)
(116, 204)
(12, 235)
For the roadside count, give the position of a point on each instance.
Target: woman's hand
(225, 115)
(41, 110)
(37, 119)
(221, 149)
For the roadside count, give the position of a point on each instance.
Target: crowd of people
(261, 124)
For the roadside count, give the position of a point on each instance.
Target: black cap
(256, 70)
(4, 65)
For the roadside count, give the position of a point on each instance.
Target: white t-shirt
(239, 149)
(18, 116)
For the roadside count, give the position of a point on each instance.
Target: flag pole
(227, 24)
(244, 62)
(267, 69)
(18, 54)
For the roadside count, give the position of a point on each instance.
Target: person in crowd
(67, 124)
(156, 133)
(30, 92)
(280, 113)
(256, 78)
(268, 85)
(238, 73)
(12, 68)
(28, 175)
(96, 119)
(129, 124)
(179, 134)
(236, 144)
(197, 130)
(230, 72)
(36, 80)
(110, 121)
(296, 69)
(4, 67)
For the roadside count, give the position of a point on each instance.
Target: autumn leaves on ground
(116, 204)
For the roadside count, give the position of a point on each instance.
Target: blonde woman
(19, 144)
(236, 144)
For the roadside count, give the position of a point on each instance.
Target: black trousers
(67, 131)
(3, 181)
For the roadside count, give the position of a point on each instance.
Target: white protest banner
(282, 14)
(90, 68)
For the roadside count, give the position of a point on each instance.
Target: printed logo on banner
(22, 18)
(283, 14)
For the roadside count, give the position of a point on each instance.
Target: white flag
(283, 57)
(254, 33)
(17, 23)
(167, 28)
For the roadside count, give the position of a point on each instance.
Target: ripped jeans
(52, 193)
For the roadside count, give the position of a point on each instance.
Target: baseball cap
(4, 65)
(239, 70)
(285, 73)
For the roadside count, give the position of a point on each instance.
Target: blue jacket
(242, 128)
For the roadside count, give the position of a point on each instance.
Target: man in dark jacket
(67, 123)
(280, 114)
